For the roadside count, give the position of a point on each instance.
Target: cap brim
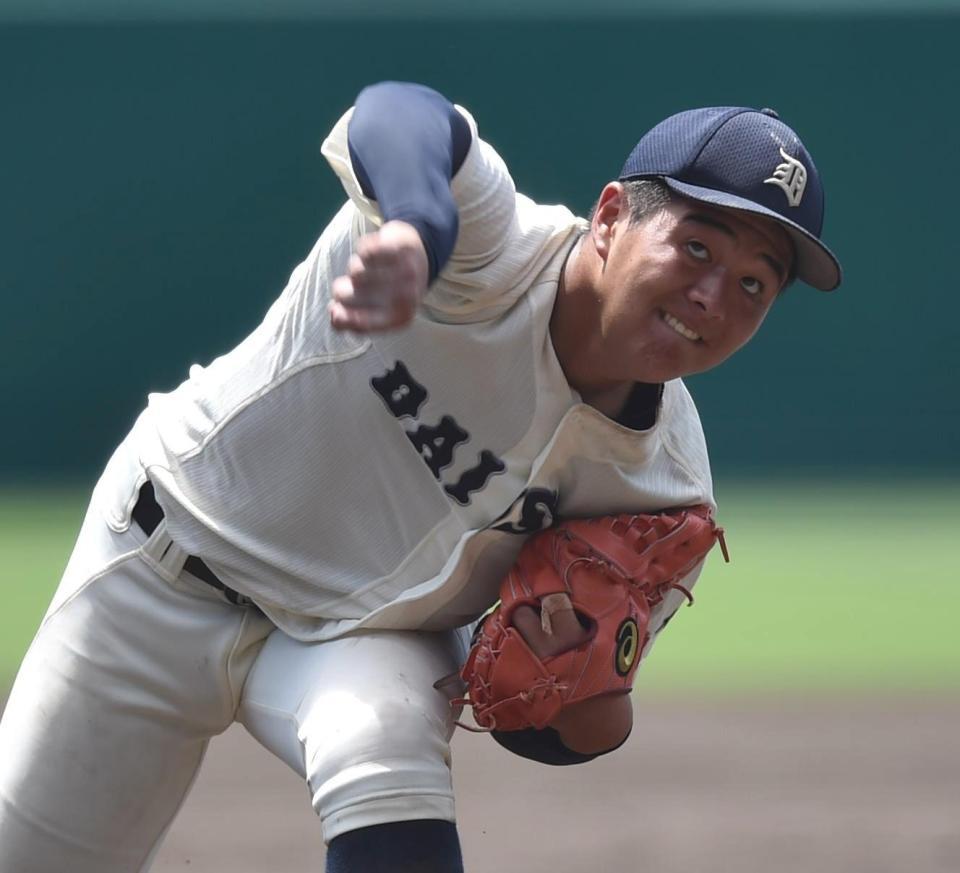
(816, 264)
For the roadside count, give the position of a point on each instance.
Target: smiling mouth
(680, 327)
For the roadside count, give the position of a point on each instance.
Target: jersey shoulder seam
(249, 400)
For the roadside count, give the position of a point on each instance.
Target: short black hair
(644, 197)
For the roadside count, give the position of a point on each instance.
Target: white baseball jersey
(347, 481)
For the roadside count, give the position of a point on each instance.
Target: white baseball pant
(138, 663)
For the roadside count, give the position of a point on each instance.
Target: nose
(707, 291)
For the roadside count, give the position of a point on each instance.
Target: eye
(752, 286)
(698, 250)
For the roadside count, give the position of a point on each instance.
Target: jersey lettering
(436, 444)
(403, 394)
(534, 509)
(475, 478)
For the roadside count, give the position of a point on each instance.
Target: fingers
(385, 280)
(362, 320)
(552, 604)
(566, 631)
(365, 307)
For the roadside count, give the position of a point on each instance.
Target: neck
(609, 401)
(576, 333)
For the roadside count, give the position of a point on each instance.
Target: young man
(302, 534)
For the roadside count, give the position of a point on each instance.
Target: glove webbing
(653, 594)
(547, 686)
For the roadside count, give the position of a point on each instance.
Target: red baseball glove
(614, 570)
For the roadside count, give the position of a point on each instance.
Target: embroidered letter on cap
(791, 175)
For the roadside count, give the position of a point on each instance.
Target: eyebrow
(717, 224)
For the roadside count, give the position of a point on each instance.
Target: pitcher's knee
(373, 764)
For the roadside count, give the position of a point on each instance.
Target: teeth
(680, 327)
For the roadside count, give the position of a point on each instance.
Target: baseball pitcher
(460, 399)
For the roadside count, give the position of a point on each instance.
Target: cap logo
(791, 176)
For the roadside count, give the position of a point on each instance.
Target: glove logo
(628, 645)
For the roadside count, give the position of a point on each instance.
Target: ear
(611, 209)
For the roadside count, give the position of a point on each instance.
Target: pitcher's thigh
(108, 721)
(360, 719)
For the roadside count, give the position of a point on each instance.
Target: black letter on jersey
(535, 509)
(475, 478)
(400, 391)
(436, 444)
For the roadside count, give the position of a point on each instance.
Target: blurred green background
(161, 176)
(831, 587)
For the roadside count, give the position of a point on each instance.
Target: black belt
(148, 514)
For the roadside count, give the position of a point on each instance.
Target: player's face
(683, 290)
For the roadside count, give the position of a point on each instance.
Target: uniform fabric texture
(135, 667)
(360, 720)
(138, 664)
(418, 527)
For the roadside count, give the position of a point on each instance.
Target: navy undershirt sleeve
(544, 746)
(406, 143)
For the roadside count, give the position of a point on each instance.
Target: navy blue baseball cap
(743, 159)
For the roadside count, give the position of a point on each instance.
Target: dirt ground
(750, 785)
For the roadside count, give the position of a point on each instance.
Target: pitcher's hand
(386, 279)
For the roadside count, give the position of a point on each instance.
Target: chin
(665, 362)
(664, 373)
(681, 369)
